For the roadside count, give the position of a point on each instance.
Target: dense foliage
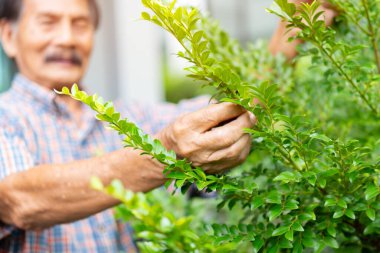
(312, 181)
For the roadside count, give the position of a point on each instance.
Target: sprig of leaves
(157, 230)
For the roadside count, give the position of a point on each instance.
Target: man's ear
(7, 36)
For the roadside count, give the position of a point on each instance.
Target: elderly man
(48, 143)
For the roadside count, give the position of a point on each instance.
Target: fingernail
(252, 117)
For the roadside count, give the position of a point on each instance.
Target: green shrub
(312, 180)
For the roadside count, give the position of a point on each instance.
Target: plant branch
(372, 35)
(349, 79)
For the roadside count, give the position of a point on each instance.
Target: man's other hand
(212, 138)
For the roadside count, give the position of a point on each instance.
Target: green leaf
(331, 230)
(297, 248)
(342, 203)
(257, 202)
(330, 202)
(65, 91)
(297, 227)
(179, 183)
(197, 37)
(274, 212)
(201, 185)
(166, 225)
(96, 184)
(176, 175)
(200, 173)
(310, 177)
(230, 187)
(371, 214)
(217, 228)
(285, 244)
(350, 214)
(322, 183)
(178, 13)
(287, 177)
(331, 242)
(291, 204)
(281, 9)
(371, 192)
(273, 249)
(289, 235)
(116, 189)
(320, 137)
(280, 231)
(74, 89)
(145, 16)
(338, 214)
(156, 21)
(308, 242)
(307, 215)
(258, 243)
(274, 197)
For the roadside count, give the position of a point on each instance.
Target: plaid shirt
(36, 128)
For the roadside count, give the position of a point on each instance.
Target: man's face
(53, 40)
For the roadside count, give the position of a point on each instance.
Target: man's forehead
(80, 7)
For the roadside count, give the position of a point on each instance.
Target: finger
(226, 135)
(223, 160)
(232, 155)
(212, 116)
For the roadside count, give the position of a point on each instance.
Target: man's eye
(81, 23)
(47, 22)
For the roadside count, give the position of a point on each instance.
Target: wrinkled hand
(204, 139)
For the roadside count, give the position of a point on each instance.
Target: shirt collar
(36, 94)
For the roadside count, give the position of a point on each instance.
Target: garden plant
(312, 181)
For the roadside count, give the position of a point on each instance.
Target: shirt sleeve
(14, 154)
(5, 230)
(154, 117)
(14, 157)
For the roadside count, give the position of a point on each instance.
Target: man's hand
(212, 138)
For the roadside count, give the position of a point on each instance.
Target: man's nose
(65, 35)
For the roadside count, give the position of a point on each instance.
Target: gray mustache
(73, 57)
